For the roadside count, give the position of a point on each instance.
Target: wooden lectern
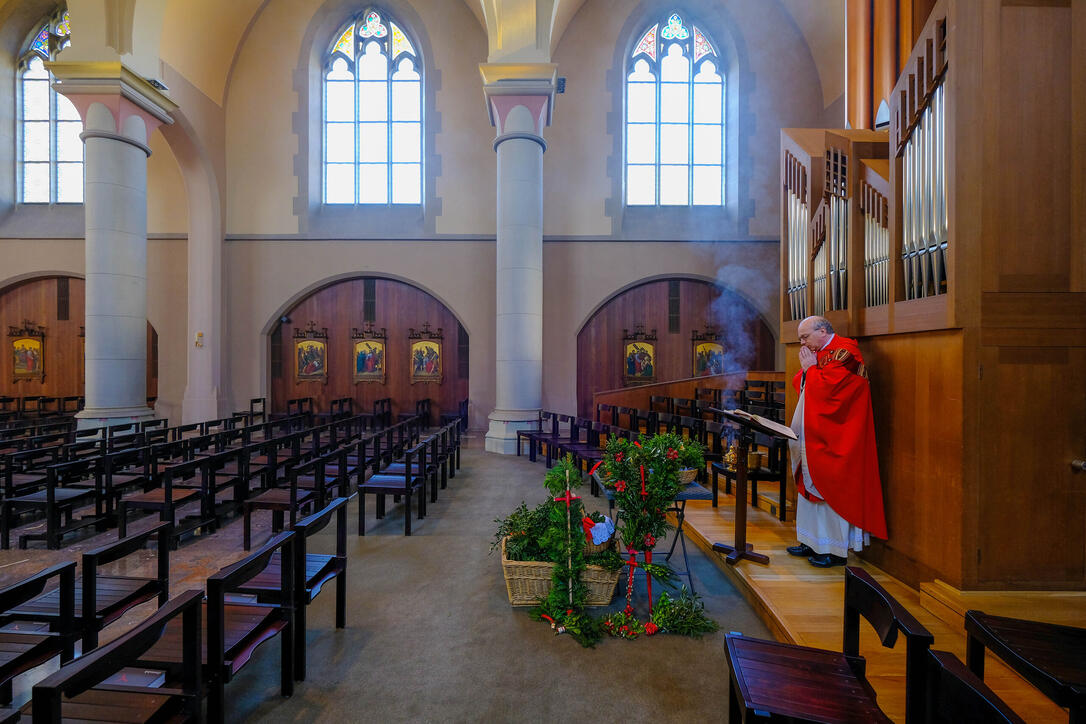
(747, 424)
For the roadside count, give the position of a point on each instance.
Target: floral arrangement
(643, 476)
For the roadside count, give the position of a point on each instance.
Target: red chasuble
(839, 435)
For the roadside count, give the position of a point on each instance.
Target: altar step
(950, 604)
(804, 605)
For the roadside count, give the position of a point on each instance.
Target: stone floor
(431, 635)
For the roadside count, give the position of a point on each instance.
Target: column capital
(116, 87)
(508, 85)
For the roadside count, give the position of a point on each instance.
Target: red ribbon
(644, 493)
(568, 498)
(595, 468)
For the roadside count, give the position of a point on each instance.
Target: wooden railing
(638, 397)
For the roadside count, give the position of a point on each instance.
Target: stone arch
(335, 304)
(748, 339)
(767, 316)
(309, 289)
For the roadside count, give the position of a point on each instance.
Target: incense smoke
(736, 317)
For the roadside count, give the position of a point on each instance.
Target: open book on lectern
(782, 430)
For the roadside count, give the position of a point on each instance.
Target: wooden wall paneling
(36, 300)
(916, 390)
(1033, 135)
(1077, 147)
(399, 306)
(1032, 530)
(599, 343)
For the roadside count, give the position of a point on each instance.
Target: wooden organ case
(953, 246)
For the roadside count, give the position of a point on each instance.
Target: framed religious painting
(311, 354)
(638, 356)
(708, 353)
(368, 357)
(28, 351)
(425, 354)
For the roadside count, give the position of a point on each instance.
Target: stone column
(119, 111)
(520, 104)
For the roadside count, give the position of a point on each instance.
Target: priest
(839, 501)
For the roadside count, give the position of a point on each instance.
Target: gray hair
(822, 323)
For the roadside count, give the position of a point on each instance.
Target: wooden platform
(805, 605)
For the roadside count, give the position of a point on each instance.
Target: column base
(501, 438)
(92, 417)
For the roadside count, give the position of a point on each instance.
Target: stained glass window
(50, 150)
(675, 94)
(373, 115)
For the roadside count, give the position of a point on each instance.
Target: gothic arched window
(373, 114)
(674, 146)
(50, 152)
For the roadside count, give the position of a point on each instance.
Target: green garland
(563, 541)
(683, 615)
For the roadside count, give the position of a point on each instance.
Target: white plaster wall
(167, 289)
(779, 88)
(167, 208)
(261, 102)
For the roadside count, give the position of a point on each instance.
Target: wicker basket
(527, 582)
(591, 549)
(688, 475)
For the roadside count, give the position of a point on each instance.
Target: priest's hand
(806, 358)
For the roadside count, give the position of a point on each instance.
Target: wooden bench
(774, 471)
(405, 484)
(313, 571)
(233, 630)
(290, 499)
(82, 690)
(785, 682)
(68, 486)
(954, 695)
(27, 644)
(167, 495)
(103, 598)
(460, 416)
(1049, 656)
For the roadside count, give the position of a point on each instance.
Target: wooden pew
(777, 680)
(312, 572)
(233, 630)
(24, 645)
(68, 486)
(82, 690)
(103, 598)
(406, 485)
